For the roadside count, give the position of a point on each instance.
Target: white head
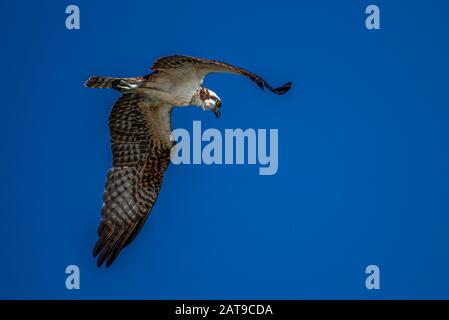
(208, 100)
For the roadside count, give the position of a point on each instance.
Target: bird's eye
(218, 103)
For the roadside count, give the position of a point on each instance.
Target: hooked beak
(217, 112)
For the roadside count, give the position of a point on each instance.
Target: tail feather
(113, 83)
(101, 82)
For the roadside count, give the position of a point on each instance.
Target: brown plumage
(140, 130)
(140, 155)
(206, 66)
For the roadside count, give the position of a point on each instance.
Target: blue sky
(363, 151)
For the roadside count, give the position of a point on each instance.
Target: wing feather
(202, 67)
(139, 129)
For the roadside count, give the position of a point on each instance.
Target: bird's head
(208, 100)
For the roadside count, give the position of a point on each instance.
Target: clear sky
(363, 151)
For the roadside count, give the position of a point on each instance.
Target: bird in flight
(140, 130)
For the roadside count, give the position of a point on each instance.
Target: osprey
(140, 130)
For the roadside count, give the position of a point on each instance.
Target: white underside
(174, 88)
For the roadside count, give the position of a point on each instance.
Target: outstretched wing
(140, 140)
(199, 68)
